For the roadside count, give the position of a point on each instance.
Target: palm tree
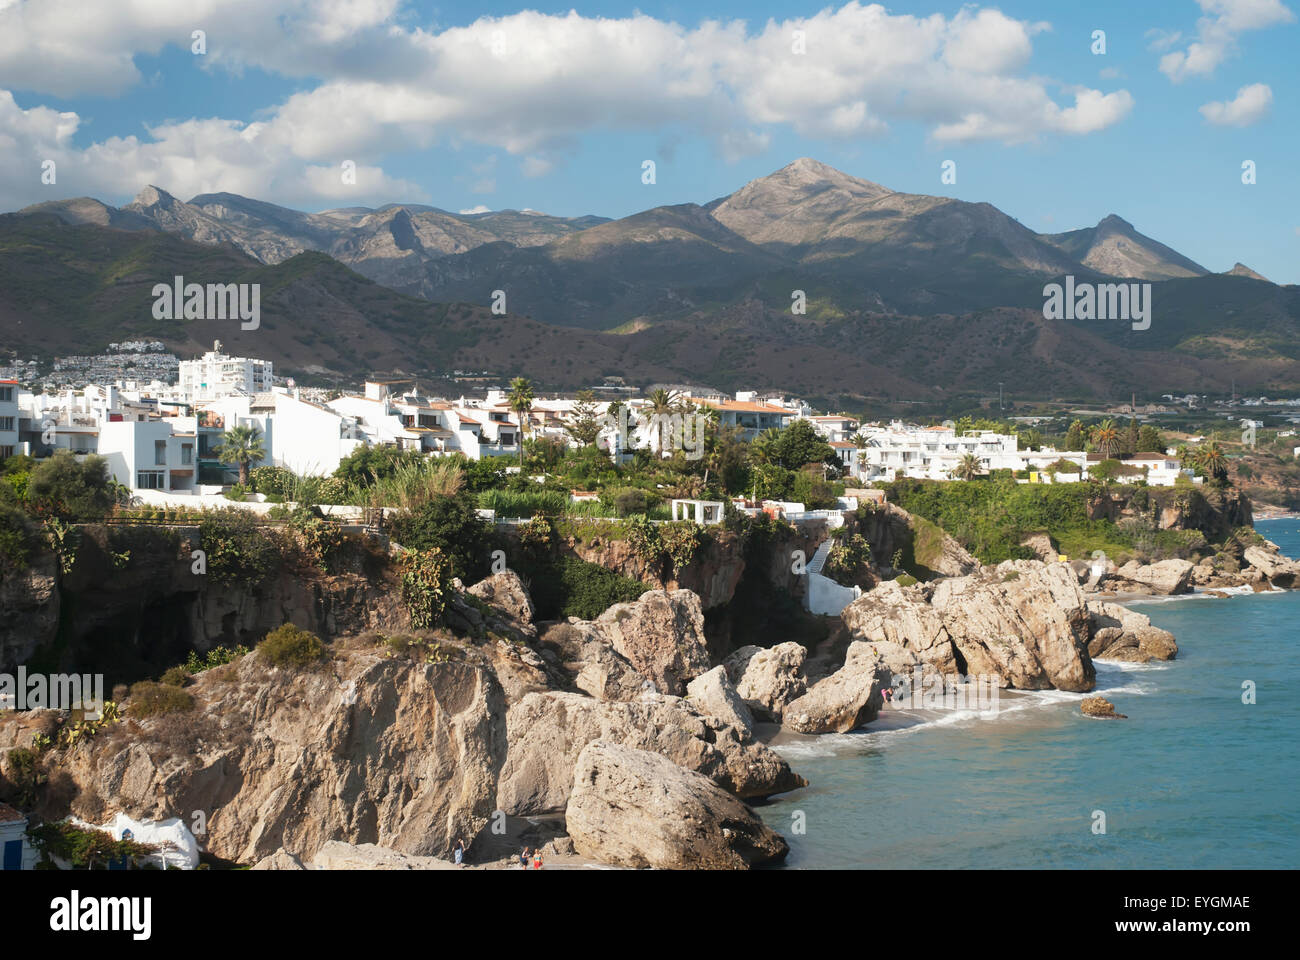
(241, 446)
(1106, 439)
(520, 400)
(762, 449)
(663, 404)
(968, 468)
(1212, 461)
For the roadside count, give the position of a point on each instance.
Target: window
(150, 480)
(187, 453)
(6, 452)
(160, 453)
(6, 394)
(6, 423)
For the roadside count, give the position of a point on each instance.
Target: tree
(1212, 462)
(663, 405)
(1075, 437)
(1150, 441)
(800, 444)
(968, 467)
(584, 426)
(241, 446)
(70, 490)
(1105, 439)
(1132, 437)
(520, 400)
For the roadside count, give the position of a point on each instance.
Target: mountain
(74, 287)
(906, 295)
(389, 245)
(849, 244)
(1115, 248)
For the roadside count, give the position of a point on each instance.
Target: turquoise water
(1193, 779)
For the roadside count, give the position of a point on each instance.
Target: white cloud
(186, 158)
(1216, 34)
(1249, 106)
(478, 209)
(532, 84)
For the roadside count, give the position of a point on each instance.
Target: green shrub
(149, 699)
(216, 657)
(176, 677)
(680, 541)
(290, 646)
(426, 585)
(72, 490)
(575, 588)
(453, 527)
(237, 549)
(17, 540)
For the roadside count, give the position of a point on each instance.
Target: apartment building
(8, 418)
(216, 375)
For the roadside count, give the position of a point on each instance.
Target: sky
(316, 104)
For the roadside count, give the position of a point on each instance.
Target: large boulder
(768, 679)
(1165, 577)
(1118, 633)
(845, 700)
(1279, 570)
(713, 693)
(547, 731)
(1025, 622)
(506, 592)
(636, 808)
(362, 748)
(662, 635)
(902, 628)
(585, 654)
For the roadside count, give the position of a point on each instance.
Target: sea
(1203, 774)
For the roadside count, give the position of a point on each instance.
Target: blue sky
(491, 105)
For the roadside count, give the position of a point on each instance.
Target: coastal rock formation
(506, 592)
(1100, 707)
(662, 635)
(590, 662)
(768, 680)
(1025, 622)
(1165, 577)
(902, 627)
(636, 808)
(337, 855)
(713, 693)
(363, 748)
(1119, 633)
(845, 700)
(546, 732)
(1279, 570)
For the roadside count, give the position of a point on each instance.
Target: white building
(934, 453)
(152, 454)
(16, 852)
(8, 418)
(215, 375)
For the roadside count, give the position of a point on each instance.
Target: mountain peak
(1239, 269)
(151, 196)
(1115, 222)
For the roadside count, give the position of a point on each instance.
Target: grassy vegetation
(991, 518)
(290, 646)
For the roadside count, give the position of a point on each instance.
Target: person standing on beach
(523, 859)
(459, 851)
(537, 859)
